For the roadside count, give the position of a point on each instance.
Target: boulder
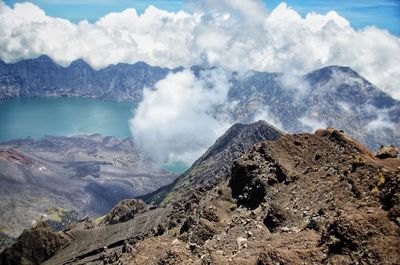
(34, 246)
(387, 152)
(124, 211)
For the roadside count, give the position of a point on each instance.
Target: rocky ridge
(216, 162)
(318, 198)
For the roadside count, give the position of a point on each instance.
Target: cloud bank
(183, 115)
(234, 34)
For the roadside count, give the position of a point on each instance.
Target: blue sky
(382, 13)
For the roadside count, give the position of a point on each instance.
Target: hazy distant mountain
(332, 96)
(43, 77)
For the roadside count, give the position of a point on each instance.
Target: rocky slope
(218, 159)
(318, 198)
(87, 174)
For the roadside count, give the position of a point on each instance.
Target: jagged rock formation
(332, 96)
(88, 174)
(217, 161)
(104, 244)
(124, 211)
(318, 198)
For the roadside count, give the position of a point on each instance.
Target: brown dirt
(316, 198)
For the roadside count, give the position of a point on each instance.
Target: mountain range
(56, 181)
(332, 96)
(42, 77)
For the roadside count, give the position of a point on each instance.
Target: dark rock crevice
(252, 174)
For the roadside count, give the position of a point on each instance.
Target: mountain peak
(43, 59)
(326, 73)
(215, 164)
(141, 64)
(80, 63)
(239, 130)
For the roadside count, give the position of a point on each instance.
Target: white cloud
(265, 114)
(381, 122)
(316, 22)
(248, 11)
(344, 106)
(296, 85)
(381, 119)
(79, 2)
(312, 123)
(235, 34)
(182, 116)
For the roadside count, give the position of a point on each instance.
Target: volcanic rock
(387, 152)
(124, 211)
(326, 199)
(34, 246)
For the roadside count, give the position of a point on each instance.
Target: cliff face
(318, 198)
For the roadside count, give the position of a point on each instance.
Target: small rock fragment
(175, 242)
(241, 243)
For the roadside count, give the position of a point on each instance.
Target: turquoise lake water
(36, 117)
(59, 116)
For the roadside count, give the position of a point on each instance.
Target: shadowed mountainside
(88, 174)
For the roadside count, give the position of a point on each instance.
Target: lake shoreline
(64, 116)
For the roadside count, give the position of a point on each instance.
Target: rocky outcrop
(337, 191)
(387, 152)
(216, 163)
(318, 198)
(363, 236)
(14, 156)
(252, 174)
(34, 246)
(124, 211)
